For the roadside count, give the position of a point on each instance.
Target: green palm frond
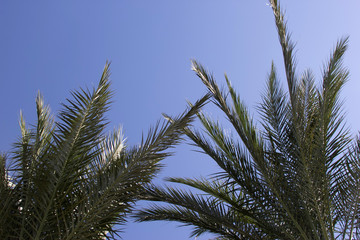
(70, 180)
(294, 178)
(347, 193)
(206, 214)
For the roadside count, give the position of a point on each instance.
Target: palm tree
(69, 180)
(295, 177)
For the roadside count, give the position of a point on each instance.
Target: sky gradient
(56, 46)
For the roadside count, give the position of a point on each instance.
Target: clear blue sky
(56, 46)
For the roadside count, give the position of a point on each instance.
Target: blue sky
(57, 46)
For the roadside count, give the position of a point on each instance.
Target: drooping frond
(206, 214)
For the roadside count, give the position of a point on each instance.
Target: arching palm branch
(293, 178)
(69, 180)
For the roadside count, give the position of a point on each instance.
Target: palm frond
(206, 214)
(290, 179)
(287, 47)
(70, 180)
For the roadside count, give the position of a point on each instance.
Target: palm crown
(70, 180)
(294, 178)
